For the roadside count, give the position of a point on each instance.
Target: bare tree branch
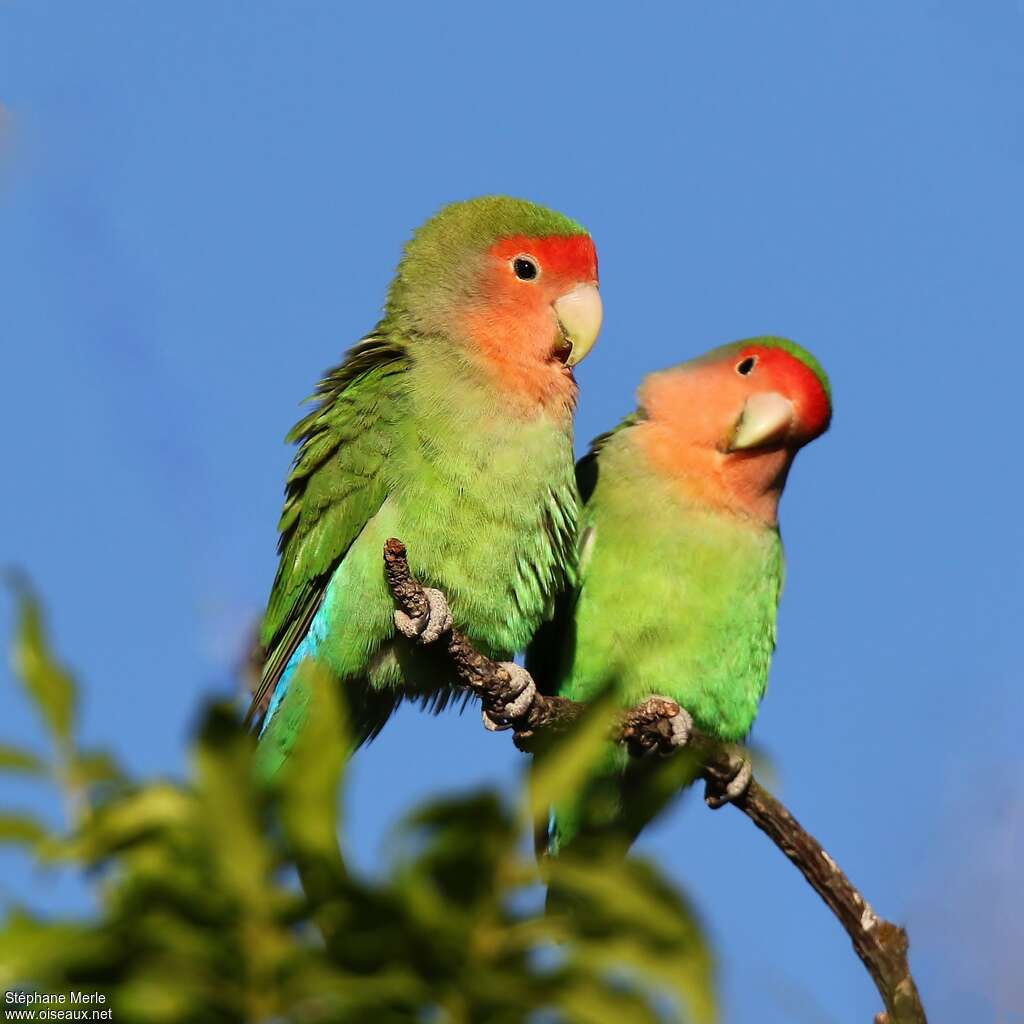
(881, 945)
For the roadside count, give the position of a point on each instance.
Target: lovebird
(450, 426)
(681, 561)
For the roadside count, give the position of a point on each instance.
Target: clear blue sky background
(200, 208)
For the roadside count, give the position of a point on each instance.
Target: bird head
(729, 423)
(512, 284)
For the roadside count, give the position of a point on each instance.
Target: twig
(881, 945)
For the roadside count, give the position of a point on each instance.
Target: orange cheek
(515, 334)
(512, 324)
(507, 330)
(698, 405)
(514, 317)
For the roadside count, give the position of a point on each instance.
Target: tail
(615, 804)
(422, 675)
(597, 812)
(368, 709)
(591, 828)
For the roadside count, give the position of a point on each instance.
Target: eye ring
(746, 366)
(525, 268)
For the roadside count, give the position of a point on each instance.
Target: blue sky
(200, 208)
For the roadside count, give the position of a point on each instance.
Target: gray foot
(432, 625)
(521, 693)
(651, 727)
(680, 728)
(718, 793)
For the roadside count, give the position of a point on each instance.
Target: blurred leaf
(133, 817)
(199, 916)
(94, 767)
(50, 686)
(155, 998)
(14, 759)
(232, 816)
(624, 913)
(587, 1002)
(765, 766)
(559, 771)
(31, 949)
(229, 806)
(309, 781)
(307, 789)
(22, 830)
(651, 785)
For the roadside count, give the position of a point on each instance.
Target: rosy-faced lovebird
(681, 563)
(450, 427)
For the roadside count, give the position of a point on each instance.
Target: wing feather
(335, 486)
(549, 648)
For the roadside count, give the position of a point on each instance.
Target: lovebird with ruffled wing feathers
(681, 562)
(451, 427)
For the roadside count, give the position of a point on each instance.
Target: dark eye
(525, 268)
(744, 366)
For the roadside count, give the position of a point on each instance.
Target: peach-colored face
(728, 429)
(705, 402)
(539, 313)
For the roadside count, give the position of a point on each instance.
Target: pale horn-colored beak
(579, 313)
(766, 418)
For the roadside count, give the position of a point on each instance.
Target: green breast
(676, 600)
(487, 503)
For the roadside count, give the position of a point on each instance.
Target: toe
(714, 797)
(740, 781)
(717, 793)
(681, 726)
(439, 616)
(521, 705)
(515, 701)
(519, 679)
(409, 626)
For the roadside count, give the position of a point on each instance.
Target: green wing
(551, 648)
(336, 485)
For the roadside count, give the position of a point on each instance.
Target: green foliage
(200, 915)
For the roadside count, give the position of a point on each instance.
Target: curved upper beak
(766, 418)
(579, 313)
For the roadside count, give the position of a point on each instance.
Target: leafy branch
(198, 916)
(881, 945)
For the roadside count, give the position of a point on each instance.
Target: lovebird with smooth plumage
(681, 561)
(451, 427)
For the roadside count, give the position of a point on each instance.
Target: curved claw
(493, 724)
(522, 690)
(430, 626)
(741, 772)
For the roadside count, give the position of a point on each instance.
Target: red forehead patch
(797, 381)
(563, 255)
